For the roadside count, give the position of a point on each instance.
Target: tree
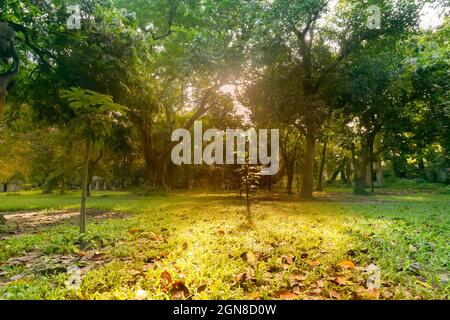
(249, 184)
(296, 37)
(94, 117)
(7, 51)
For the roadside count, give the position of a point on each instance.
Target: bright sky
(431, 18)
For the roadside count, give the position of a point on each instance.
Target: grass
(202, 240)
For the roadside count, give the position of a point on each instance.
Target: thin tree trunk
(372, 187)
(63, 184)
(361, 173)
(2, 104)
(348, 172)
(247, 191)
(290, 175)
(322, 167)
(87, 153)
(308, 170)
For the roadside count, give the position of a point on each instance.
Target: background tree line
(107, 97)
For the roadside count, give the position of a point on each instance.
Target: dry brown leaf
(286, 295)
(179, 290)
(320, 284)
(342, 281)
(346, 264)
(387, 294)
(98, 256)
(221, 232)
(334, 294)
(165, 279)
(185, 246)
(314, 263)
(288, 259)
(201, 288)
(242, 277)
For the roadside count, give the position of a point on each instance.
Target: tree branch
(170, 16)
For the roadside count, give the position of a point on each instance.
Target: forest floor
(197, 245)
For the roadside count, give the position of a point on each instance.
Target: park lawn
(197, 245)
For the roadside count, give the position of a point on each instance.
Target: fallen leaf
(320, 284)
(387, 294)
(221, 232)
(334, 294)
(347, 265)
(342, 281)
(179, 290)
(242, 277)
(165, 279)
(288, 259)
(98, 256)
(185, 246)
(286, 295)
(314, 263)
(201, 288)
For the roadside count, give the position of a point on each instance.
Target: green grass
(201, 238)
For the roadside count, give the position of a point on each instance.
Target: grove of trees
(102, 99)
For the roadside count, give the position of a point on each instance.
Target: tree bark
(322, 167)
(87, 153)
(290, 175)
(7, 78)
(308, 172)
(372, 187)
(2, 104)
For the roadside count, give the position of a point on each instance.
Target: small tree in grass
(250, 182)
(94, 116)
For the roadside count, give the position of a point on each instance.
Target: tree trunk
(308, 170)
(290, 175)
(361, 172)
(348, 172)
(322, 167)
(247, 194)
(372, 187)
(2, 104)
(159, 177)
(63, 185)
(87, 153)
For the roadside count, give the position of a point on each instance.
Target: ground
(198, 245)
